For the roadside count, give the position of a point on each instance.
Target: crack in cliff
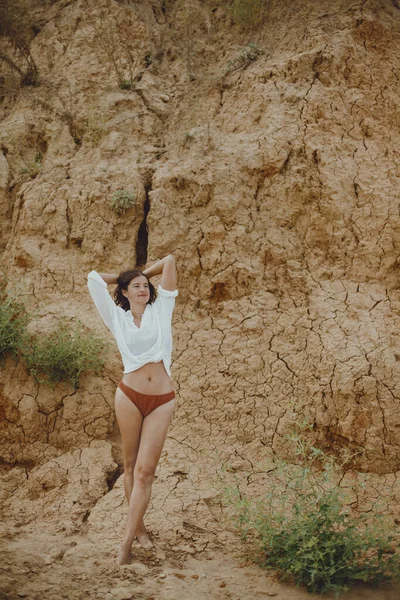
(143, 232)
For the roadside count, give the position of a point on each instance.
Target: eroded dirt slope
(267, 162)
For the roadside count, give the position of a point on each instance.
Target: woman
(140, 321)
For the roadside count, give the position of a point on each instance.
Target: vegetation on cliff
(305, 529)
(63, 355)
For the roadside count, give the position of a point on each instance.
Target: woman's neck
(137, 310)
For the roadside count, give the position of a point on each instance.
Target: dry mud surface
(274, 181)
(55, 561)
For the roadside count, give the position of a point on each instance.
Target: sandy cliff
(267, 161)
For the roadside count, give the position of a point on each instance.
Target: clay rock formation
(266, 160)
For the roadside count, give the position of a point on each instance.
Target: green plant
(122, 200)
(64, 355)
(247, 55)
(305, 530)
(14, 319)
(125, 84)
(32, 169)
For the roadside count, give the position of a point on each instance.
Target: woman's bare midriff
(150, 379)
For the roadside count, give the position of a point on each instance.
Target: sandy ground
(39, 563)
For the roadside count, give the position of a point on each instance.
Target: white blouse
(152, 342)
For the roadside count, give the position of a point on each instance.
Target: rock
(140, 568)
(185, 548)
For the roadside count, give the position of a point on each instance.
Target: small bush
(247, 55)
(122, 200)
(14, 320)
(305, 531)
(31, 170)
(122, 50)
(62, 104)
(64, 355)
(125, 84)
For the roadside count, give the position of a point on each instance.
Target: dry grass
(17, 28)
(122, 47)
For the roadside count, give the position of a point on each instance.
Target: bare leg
(154, 431)
(141, 533)
(130, 425)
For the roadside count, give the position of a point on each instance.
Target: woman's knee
(129, 467)
(144, 474)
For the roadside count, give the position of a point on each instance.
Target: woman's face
(138, 290)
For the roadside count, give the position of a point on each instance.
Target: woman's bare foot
(144, 539)
(123, 555)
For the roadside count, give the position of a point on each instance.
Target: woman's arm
(110, 279)
(98, 290)
(167, 269)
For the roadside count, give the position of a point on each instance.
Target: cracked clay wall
(275, 183)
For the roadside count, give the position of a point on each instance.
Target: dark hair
(123, 281)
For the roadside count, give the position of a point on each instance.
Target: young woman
(140, 321)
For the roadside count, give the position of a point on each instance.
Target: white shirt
(152, 342)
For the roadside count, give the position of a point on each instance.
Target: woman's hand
(165, 267)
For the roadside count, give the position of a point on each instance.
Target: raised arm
(109, 278)
(98, 290)
(167, 269)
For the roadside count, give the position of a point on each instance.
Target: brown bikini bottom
(146, 403)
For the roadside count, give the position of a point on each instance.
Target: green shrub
(305, 531)
(31, 170)
(14, 320)
(64, 355)
(247, 55)
(122, 200)
(125, 84)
